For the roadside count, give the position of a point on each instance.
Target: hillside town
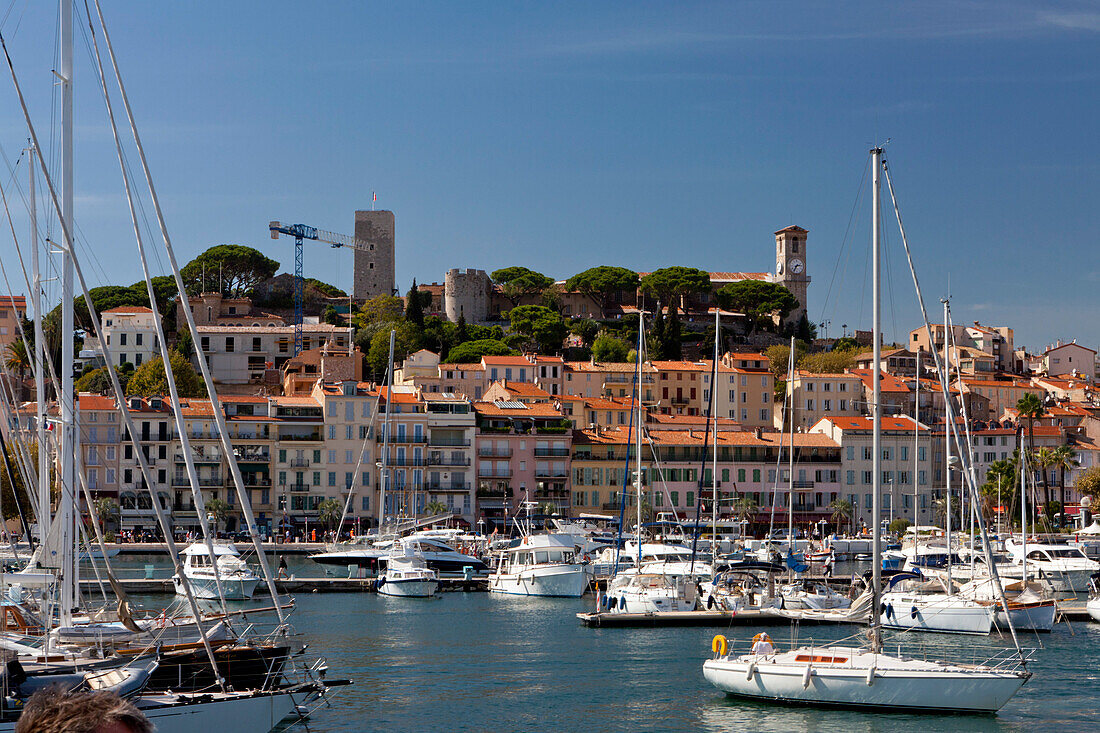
(511, 391)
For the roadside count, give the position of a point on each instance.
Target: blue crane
(302, 232)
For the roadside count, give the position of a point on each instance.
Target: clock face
(779, 267)
(796, 267)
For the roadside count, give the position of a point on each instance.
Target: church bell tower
(790, 266)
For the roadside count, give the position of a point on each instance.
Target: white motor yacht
(407, 574)
(1065, 567)
(540, 565)
(635, 592)
(1093, 604)
(367, 552)
(238, 582)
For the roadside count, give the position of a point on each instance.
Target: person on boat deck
(762, 645)
(829, 562)
(282, 567)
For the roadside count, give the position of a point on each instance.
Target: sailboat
(867, 676)
(243, 711)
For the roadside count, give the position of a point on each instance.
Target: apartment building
(907, 485)
(1069, 359)
(349, 454)
(522, 456)
(1002, 394)
(98, 419)
(818, 395)
(13, 308)
(243, 354)
(742, 393)
(613, 380)
(298, 445)
(152, 418)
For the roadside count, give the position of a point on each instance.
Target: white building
(242, 354)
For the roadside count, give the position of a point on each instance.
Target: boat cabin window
(542, 557)
(1068, 552)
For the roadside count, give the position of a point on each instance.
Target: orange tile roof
(505, 361)
(129, 309)
(296, 401)
(523, 389)
(865, 423)
(887, 383)
(681, 366)
(538, 409)
(89, 401)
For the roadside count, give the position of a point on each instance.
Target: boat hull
(892, 689)
(1030, 617)
(409, 588)
(235, 589)
(953, 616)
(570, 581)
(1093, 608)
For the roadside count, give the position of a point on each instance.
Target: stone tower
(466, 293)
(374, 270)
(791, 268)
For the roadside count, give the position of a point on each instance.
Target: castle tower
(374, 270)
(466, 293)
(790, 266)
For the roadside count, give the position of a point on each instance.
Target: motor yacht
(407, 573)
(540, 565)
(1065, 567)
(204, 572)
(639, 592)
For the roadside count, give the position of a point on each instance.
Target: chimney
(758, 432)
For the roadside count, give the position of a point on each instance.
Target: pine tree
(462, 335)
(414, 308)
(657, 335)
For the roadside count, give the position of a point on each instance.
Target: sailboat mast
(790, 463)
(876, 413)
(386, 439)
(1023, 506)
(949, 430)
(638, 441)
(69, 438)
(714, 459)
(42, 512)
(916, 463)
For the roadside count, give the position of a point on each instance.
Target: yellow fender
(719, 645)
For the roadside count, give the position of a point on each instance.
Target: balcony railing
(551, 473)
(494, 452)
(448, 461)
(199, 458)
(496, 473)
(445, 486)
(406, 461)
(252, 456)
(551, 452)
(680, 401)
(299, 462)
(448, 442)
(402, 439)
(181, 479)
(311, 437)
(298, 487)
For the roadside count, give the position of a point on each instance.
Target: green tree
(406, 340)
(435, 507)
(218, 509)
(672, 284)
(603, 283)
(898, 526)
(16, 358)
(827, 362)
(760, 301)
(150, 378)
(331, 316)
(471, 351)
(107, 511)
(380, 313)
(586, 329)
(540, 324)
(517, 282)
(846, 343)
(1043, 459)
(98, 381)
(329, 512)
(608, 349)
(842, 512)
(804, 330)
(1088, 483)
(185, 343)
(745, 508)
(1002, 481)
(234, 268)
(414, 306)
(1065, 460)
(462, 331)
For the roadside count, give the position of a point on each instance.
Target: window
(843, 387)
(851, 478)
(122, 339)
(843, 405)
(332, 432)
(828, 405)
(228, 344)
(349, 456)
(827, 386)
(764, 414)
(866, 452)
(331, 478)
(809, 386)
(867, 478)
(903, 453)
(809, 405)
(920, 454)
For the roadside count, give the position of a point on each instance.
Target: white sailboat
(867, 677)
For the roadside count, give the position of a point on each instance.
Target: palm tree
(842, 512)
(435, 507)
(939, 509)
(1031, 408)
(1065, 459)
(218, 509)
(329, 511)
(16, 358)
(1044, 459)
(106, 511)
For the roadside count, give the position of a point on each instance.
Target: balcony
(494, 452)
(802, 484)
(445, 486)
(551, 452)
(551, 473)
(406, 461)
(181, 479)
(199, 458)
(299, 462)
(496, 473)
(298, 487)
(254, 483)
(552, 495)
(448, 461)
(307, 437)
(680, 401)
(402, 439)
(448, 442)
(252, 456)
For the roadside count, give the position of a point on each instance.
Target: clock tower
(790, 266)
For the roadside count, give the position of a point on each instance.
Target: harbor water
(485, 662)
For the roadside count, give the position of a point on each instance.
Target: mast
(916, 463)
(950, 428)
(714, 459)
(790, 466)
(384, 464)
(42, 513)
(638, 444)
(69, 437)
(1023, 505)
(876, 413)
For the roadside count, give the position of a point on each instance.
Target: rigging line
(950, 428)
(889, 276)
(238, 481)
(844, 240)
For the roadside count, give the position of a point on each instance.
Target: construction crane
(302, 232)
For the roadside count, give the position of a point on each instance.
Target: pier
(291, 585)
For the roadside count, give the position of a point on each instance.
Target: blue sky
(565, 135)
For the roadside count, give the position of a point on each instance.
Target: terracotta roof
(865, 423)
(791, 228)
(604, 403)
(539, 409)
(129, 309)
(399, 397)
(617, 367)
(687, 420)
(618, 436)
(887, 382)
(802, 373)
(523, 389)
(89, 401)
(681, 366)
(1073, 343)
(296, 401)
(505, 361)
(17, 301)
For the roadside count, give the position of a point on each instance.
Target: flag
(375, 196)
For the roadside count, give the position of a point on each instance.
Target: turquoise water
(482, 662)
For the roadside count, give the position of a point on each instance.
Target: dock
(291, 585)
(688, 618)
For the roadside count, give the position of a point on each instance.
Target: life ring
(719, 645)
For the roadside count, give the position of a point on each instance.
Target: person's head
(55, 710)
